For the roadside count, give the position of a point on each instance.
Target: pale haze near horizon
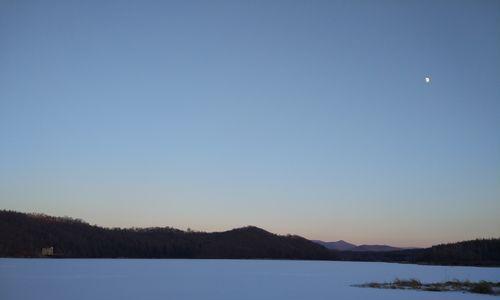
(304, 117)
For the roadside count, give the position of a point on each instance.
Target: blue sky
(306, 117)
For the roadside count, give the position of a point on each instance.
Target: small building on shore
(48, 251)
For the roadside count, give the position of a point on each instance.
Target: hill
(24, 235)
(480, 252)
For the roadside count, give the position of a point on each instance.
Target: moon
(427, 79)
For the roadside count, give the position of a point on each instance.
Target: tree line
(25, 235)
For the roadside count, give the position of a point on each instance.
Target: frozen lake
(219, 279)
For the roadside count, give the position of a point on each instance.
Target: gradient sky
(306, 117)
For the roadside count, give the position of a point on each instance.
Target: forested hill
(476, 252)
(24, 235)
(481, 252)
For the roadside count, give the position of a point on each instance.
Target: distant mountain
(345, 246)
(338, 245)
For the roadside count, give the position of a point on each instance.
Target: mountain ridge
(342, 245)
(38, 235)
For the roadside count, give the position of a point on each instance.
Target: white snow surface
(169, 279)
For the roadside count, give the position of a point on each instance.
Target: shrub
(482, 287)
(411, 283)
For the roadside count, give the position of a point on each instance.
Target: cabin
(48, 251)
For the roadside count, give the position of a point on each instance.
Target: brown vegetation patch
(481, 287)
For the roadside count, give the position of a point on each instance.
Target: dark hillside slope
(24, 235)
(476, 252)
(253, 242)
(481, 252)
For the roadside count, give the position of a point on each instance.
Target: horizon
(187, 229)
(292, 116)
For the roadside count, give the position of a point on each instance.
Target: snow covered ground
(219, 279)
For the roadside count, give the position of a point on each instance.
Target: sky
(304, 117)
